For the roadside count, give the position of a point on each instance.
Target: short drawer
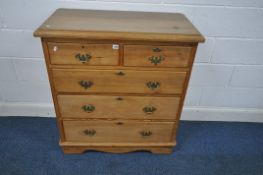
(83, 54)
(117, 131)
(113, 81)
(157, 56)
(122, 107)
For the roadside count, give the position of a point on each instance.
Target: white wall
(227, 81)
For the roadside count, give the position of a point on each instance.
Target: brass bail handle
(89, 132)
(153, 85)
(146, 133)
(83, 58)
(88, 108)
(149, 109)
(86, 84)
(156, 59)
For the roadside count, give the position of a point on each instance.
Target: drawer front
(123, 107)
(118, 81)
(117, 131)
(83, 54)
(157, 56)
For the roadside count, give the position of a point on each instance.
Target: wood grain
(122, 107)
(117, 131)
(107, 81)
(114, 25)
(116, 125)
(53, 92)
(65, 53)
(184, 94)
(119, 149)
(118, 68)
(140, 55)
(118, 144)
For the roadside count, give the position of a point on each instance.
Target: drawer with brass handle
(112, 131)
(157, 56)
(83, 54)
(110, 106)
(110, 81)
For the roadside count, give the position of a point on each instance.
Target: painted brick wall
(228, 71)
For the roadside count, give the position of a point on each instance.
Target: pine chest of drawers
(118, 79)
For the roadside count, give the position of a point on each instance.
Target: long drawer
(157, 56)
(113, 81)
(123, 107)
(83, 54)
(117, 131)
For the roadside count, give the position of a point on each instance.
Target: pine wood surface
(117, 48)
(171, 56)
(65, 53)
(119, 107)
(119, 149)
(98, 24)
(108, 81)
(120, 131)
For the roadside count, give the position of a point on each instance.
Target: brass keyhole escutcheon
(119, 123)
(120, 73)
(119, 98)
(157, 49)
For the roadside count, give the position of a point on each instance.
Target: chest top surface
(120, 25)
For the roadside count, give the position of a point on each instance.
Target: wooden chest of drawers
(118, 79)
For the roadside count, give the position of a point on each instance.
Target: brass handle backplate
(90, 132)
(156, 59)
(149, 109)
(83, 58)
(153, 85)
(88, 108)
(146, 133)
(86, 84)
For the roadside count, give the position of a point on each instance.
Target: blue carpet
(30, 146)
